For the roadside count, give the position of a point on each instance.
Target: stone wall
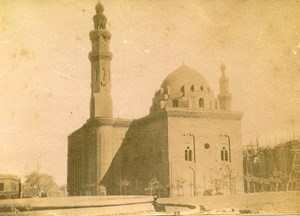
(90, 152)
(142, 156)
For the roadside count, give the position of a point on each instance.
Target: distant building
(10, 187)
(190, 142)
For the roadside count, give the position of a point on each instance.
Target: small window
(192, 88)
(206, 146)
(201, 88)
(182, 90)
(201, 102)
(1, 186)
(175, 103)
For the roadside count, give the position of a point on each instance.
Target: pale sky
(45, 71)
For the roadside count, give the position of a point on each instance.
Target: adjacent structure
(190, 143)
(10, 187)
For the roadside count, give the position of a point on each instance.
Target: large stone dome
(184, 88)
(184, 76)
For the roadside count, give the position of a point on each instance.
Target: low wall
(102, 205)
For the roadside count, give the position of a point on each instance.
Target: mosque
(189, 144)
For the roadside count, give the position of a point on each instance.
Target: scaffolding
(294, 180)
(275, 168)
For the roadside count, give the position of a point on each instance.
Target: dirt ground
(267, 202)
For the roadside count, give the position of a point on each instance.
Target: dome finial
(99, 8)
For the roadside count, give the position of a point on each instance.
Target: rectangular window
(1, 186)
(175, 103)
(201, 102)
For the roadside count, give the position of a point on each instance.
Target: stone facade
(214, 140)
(190, 143)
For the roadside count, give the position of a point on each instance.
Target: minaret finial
(223, 67)
(99, 8)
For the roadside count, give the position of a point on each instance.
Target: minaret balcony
(96, 34)
(93, 56)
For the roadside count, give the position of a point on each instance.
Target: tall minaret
(100, 57)
(224, 96)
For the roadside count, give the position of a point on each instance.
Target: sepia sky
(45, 71)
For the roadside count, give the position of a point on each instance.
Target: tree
(63, 190)
(123, 185)
(179, 186)
(154, 185)
(40, 184)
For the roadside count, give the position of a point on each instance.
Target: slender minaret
(100, 57)
(224, 96)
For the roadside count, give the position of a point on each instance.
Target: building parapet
(216, 114)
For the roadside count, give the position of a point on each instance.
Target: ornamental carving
(93, 56)
(105, 56)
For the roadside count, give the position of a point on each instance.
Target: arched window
(188, 154)
(224, 154)
(201, 102)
